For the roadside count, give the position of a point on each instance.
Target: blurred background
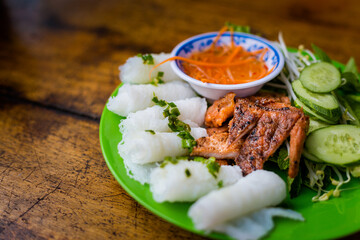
(85, 41)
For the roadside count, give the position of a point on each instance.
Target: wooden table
(58, 65)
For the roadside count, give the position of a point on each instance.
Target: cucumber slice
(338, 145)
(315, 125)
(320, 77)
(311, 113)
(311, 157)
(324, 104)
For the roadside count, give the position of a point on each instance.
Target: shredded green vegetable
(211, 165)
(147, 58)
(175, 124)
(158, 79)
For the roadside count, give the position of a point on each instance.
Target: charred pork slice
(220, 111)
(216, 146)
(271, 131)
(246, 116)
(297, 139)
(212, 131)
(265, 97)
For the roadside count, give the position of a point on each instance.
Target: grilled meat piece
(272, 129)
(246, 116)
(259, 126)
(212, 131)
(224, 162)
(216, 146)
(220, 111)
(265, 97)
(297, 139)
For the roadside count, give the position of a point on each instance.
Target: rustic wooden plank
(65, 54)
(54, 182)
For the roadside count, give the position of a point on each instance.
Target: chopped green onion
(169, 160)
(237, 28)
(158, 79)
(147, 58)
(187, 172)
(150, 131)
(172, 112)
(212, 166)
(220, 184)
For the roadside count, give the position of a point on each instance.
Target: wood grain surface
(58, 65)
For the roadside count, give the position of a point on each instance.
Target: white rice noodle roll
(135, 71)
(139, 172)
(257, 224)
(257, 190)
(144, 147)
(192, 112)
(132, 98)
(171, 183)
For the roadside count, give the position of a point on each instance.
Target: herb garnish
(237, 28)
(169, 160)
(150, 131)
(176, 125)
(220, 184)
(187, 172)
(211, 165)
(321, 54)
(147, 58)
(158, 79)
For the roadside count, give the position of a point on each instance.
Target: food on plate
(225, 63)
(322, 90)
(257, 224)
(137, 69)
(147, 147)
(163, 133)
(338, 144)
(220, 111)
(257, 190)
(186, 181)
(259, 126)
(132, 97)
(192, 111)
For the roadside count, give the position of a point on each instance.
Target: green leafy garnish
(220, 184)
(150, 131)
(187, 172)
(237, 28)
(212, 166)
(169, 160)
(349, 114)
(321, 54)
(294, 185)
(158, 79)
(351, 82)
(175, 124)
(281, 158)
(161, 103)
(351, 66)
(147, 58)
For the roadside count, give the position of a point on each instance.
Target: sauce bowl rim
(184, 76)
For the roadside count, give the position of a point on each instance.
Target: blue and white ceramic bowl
(273, 58)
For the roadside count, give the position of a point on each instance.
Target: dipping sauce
(226, 64)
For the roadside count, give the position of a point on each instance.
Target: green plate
(324, 220)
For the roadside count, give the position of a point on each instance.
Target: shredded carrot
(224, 64)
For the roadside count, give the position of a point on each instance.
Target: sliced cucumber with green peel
(315, 125)
(311, 113)
(338, 145)
(311, 157)
(324, 104)
(320, 77)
